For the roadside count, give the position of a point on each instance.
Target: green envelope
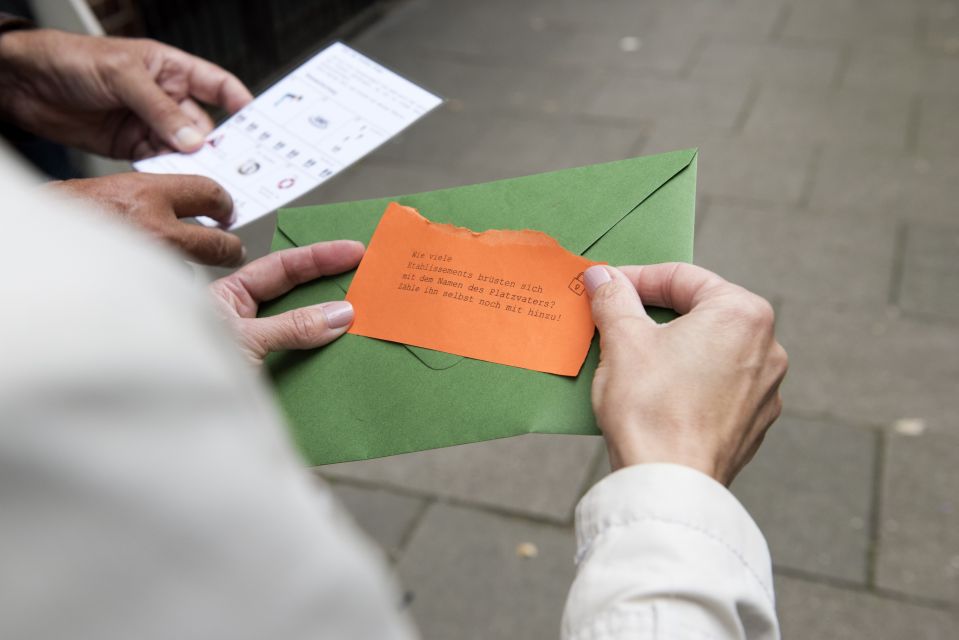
(360, 398)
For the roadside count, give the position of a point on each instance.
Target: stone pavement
(829, 183)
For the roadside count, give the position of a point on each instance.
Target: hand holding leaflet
(330, 112)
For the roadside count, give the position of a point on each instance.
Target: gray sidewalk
(829, 183)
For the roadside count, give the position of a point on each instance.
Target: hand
(701, 390)
(117, 97)
(238, 296)
(156, 203)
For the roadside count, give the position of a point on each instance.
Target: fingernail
(338, 314)
(188, 138)
(595, 277)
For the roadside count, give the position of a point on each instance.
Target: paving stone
(635, 51)
(867, 119)
(885, 21)
(512, 144)
(540, 475)
(516, 145)
(919, 539)
(810, 611)
(745, 20)
(919, 189)
(773, 64)
(468, 581)
(377, 179)
(539, 34)
(868, 367)
(466, 28)
(930, 271)
(602, 16)
(801, 257)
(438, 139)
(810, 491)
(714, 104)
(903, 68)
(385, 516)
(471, 86)
(938, 125)
(941, 26)
(738, 168)
(601, 471)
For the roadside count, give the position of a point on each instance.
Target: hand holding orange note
(510, 297)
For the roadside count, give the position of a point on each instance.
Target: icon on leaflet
(319, 122)
(286, 183)
(578, 285)
(292, 97)
(215, 141)
(248, 168)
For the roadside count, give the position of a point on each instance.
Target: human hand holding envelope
(360, 398)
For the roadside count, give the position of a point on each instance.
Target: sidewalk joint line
(779, 24)
(855, 587)
(875, 508)
(898, 262)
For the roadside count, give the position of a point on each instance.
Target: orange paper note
(510, 297)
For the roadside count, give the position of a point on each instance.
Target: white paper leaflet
(328, 113)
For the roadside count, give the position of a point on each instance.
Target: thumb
(303, 328)
(613, 297)
(138, 90)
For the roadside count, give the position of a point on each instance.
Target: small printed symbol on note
(578, 285)
(292, 97)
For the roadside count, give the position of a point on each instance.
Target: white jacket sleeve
(664, 551)
(148, 489)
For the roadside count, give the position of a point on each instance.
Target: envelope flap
(437, 360)
(575, 206)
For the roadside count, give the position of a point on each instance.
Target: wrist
(627, 452)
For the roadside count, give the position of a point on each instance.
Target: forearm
(665, 551)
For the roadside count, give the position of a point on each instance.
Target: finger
(303, 328)
(277, 273)
(192, 196)
(214, 85)
(197, 114)
(208, 246)
(613, 298)
(145, 149)
(678, 286)
(139, 91)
